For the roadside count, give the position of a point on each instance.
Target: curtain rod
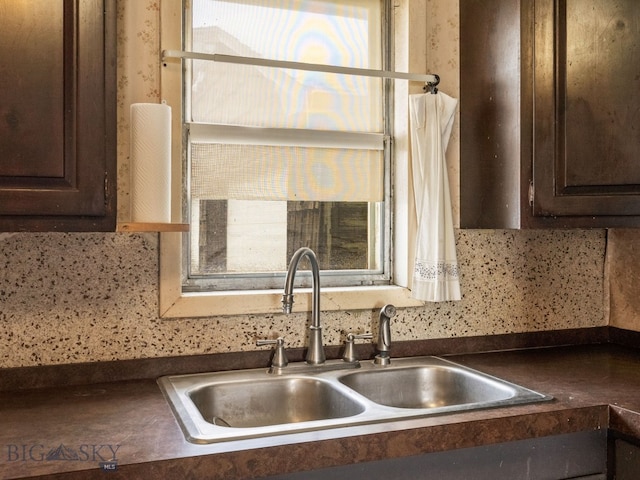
(430, 79)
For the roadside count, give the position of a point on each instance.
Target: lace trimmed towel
(435, 275)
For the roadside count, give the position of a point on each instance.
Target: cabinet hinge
(531, 193)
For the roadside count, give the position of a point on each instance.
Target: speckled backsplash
(67, 298)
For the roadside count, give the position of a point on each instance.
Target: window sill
(269, 301)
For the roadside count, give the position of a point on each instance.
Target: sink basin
(245, 404)
(272, 402)
(430, 386)
(242, 404)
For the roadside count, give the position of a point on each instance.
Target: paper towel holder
(151, 126)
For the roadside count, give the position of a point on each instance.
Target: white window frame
(174, 303)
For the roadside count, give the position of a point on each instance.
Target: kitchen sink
(243, 404)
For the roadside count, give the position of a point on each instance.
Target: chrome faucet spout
(384, 335)
(315, 353)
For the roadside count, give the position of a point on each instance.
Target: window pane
(244, 236)
(332, 32)
(324, 32)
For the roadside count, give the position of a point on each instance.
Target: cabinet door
(57, 115)
(586, 86)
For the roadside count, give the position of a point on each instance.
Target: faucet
(315, 353)
(384, 335)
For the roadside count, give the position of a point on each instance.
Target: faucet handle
(279, 359)
(349, 354)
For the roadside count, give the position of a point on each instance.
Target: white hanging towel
(435, 275)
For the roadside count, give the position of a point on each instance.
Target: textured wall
(93, 297)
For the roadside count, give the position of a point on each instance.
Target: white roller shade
(259, 172)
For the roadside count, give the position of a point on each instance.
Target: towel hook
(432, 87)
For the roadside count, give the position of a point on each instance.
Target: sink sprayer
(384, 335)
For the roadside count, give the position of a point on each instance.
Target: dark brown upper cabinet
(57, 115)
(550, 113)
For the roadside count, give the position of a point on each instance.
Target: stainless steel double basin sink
(243, 404)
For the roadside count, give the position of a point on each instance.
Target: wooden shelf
(152, 227)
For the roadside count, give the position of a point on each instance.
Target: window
(279, 158)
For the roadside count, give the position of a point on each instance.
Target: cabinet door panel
(587, 108)
(32, 86)
(57, 122)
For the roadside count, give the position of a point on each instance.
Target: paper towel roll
(150, 163)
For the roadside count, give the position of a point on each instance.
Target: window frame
(174, 302)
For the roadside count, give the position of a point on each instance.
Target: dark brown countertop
(594, 387)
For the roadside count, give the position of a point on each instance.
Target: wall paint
(67, 298)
